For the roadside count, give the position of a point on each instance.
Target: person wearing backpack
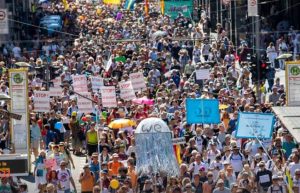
(64, 179)
(87, 180)
(236, 159)
(275, 187)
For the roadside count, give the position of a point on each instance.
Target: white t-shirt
(64, 178)
(292, 167)
(195, 167)
(237, 162)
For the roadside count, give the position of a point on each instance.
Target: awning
(290, 118)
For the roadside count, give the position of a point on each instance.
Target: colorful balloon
(114, 184)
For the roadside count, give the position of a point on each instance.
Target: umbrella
(222, 106)
(159, 33)
(284, 56)
(121, 123)
(22, 64)
(143, 101)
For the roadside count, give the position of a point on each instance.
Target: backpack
(230, 157)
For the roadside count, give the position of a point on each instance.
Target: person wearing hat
(66, 154)
(276, 187)
(94, 165)
(237, 160)
(57, 155)
(86, 179)
(263, 178)
(114, 165)
(64, 177)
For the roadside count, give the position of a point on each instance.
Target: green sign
(295, 70)
(174, 7)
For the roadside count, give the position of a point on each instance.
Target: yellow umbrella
(221, 107)
(121, 123)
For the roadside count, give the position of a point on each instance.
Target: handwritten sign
(202, 74)
(41, 101)
(109, 98)
(80, 83)
(50, 163)
(137, 81)
(85, 105)
(97, 83)
(56, 81)
(126, 89)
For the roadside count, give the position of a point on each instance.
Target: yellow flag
(289, 180)
(66, 4)
(162, 6)
(112, 2)
(178, 156)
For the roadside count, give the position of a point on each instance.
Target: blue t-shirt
(95, 169)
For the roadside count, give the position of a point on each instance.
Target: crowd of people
(168, 52)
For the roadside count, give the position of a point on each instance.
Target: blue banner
(255, 125)
(204, 111)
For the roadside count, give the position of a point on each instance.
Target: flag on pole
(289, 180)
(162, 6)
(147, 7)
(177, 151)
(129, 4)
(66, 4)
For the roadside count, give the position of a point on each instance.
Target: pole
(257, 47)
(230, 21)
(217, 5)
(235, 25)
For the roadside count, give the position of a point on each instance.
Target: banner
(18, 90)
(56, 81)
(112, 2)
(126, 90)
(85, 105)
(55, 91)
(137, 81)
(202, 74)
(292, 79)
(80, 83)
(252, 8)
(108, 94)
(4, 29)
(41, 101)
(97, 83)
(174, 7)
(255, 125)
(205, 111)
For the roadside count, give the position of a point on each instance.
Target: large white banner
(252, 8)
(126, 90)
(80, 83)
(41, 101)
(4, 29)
(202, 74)
(85, 105)
(108, 94)
(19, 105)
(293, 83)
(97, 83)
(137, 81)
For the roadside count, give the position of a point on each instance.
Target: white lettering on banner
(41, 101)
(108, 94)
(202, 74)
(126, 90)
(85, 105)
(177, 141)
(55, 91)
(97, 83)
(138, 81)
(80, 83)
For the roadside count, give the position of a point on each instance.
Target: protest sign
(255, 125)
(55, 91)
(80, 83)
(108, 94)
(173, 7)
(97, 83)
(41, 101)
(56, 81)
(137, 81)
(205, 111)
(202, 74)
(50, 163)
(178, 141)
(85, 105)
(126, 90)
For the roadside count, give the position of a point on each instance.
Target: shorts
(35, 144)
(91, 149)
